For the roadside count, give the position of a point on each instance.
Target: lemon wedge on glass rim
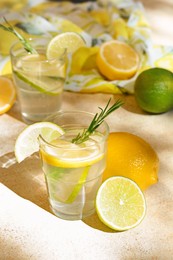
(27, 142)
(69, 41)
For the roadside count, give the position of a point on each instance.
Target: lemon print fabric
(96, 22)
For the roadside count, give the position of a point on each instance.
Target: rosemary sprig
(96, 122)
(26, 44)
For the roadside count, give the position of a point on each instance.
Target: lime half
(27, 142)
(120, 203)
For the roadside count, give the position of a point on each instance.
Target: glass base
(72, 217)
(34, 118)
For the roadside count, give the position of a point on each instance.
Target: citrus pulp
(7, 94)
(117, 60)
(120, 203)
(68, 41)
(27, 142)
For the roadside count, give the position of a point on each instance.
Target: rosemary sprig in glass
(96, 122)
(26, 44)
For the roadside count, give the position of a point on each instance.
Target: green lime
(154, 90)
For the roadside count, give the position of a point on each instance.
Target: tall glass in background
(73, 172)
(39, 81)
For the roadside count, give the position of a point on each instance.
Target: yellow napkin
(99, 21)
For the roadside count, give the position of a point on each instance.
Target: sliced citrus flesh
(69, 155)
(69, 163)
(67, 42)
(117, 60)
(7, 94)
(27, 142)
(48, 77)
(78, 186)
(46, 85)
(120, 204)
(61, 153)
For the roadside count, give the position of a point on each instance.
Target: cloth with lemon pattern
(96, 22)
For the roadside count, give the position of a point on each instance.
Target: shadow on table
(130, 103)
(94, 222)
(15, 112)
(26, 178)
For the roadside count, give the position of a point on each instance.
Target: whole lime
(154, 90)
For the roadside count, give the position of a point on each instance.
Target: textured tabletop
(28, 230)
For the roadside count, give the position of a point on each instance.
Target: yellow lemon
(84, 59)
(132, 157)
(117, 60)
(7, 94)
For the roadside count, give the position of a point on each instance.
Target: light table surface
(28, 230)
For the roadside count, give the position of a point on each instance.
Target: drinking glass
(73, 172)
(39, 81)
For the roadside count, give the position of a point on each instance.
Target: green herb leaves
(26, 44)
(96, 122)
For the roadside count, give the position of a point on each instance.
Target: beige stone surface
(159, 13)
(28, 230)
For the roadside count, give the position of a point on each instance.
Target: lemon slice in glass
(120, 204)
(27, 141)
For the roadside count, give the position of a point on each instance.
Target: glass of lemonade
(39, 81)
(73, 172)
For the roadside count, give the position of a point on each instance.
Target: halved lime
(27, 141)
(69, 41)
(120, 203)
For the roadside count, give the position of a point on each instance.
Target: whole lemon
(154, 90)
(132, 157)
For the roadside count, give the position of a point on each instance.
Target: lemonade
(73, 147)
(73, 172)
(39, 82)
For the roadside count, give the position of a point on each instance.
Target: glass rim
(17, 42)
(48, 119)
